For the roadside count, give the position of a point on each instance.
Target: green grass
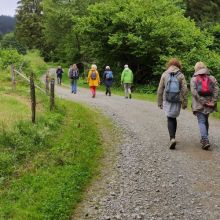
(45, 167)
(52, 168)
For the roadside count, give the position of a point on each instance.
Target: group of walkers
(173, 94)
(94, 80)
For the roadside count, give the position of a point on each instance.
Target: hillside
(7, 24)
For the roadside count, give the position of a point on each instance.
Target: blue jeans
(74, 85)
(203, 125)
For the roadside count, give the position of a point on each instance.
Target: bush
(10, 56)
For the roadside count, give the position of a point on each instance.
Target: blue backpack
(109, 75)
(172, 88)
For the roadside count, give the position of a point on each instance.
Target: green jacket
(127, 76)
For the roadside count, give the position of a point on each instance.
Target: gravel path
(148, 181)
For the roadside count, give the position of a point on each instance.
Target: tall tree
(204, 12)
(143, 33)
(62, 42)
(29, 23)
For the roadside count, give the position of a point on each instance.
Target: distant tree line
(7, 24)
(142, 33)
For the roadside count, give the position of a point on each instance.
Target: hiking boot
(129, 96)
(172, 144)
(205, 144)
(126, 97)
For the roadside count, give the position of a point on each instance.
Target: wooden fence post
(47, 84)
(33, 98)
(13, 80)
(52, 97)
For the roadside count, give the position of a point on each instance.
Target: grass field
(45, 167)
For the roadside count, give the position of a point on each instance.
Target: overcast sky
(7, 7)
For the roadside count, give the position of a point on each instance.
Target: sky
(7, 7)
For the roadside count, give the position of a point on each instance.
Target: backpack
(93, 75)
(75, 74)
(173, 88)
(204, 85)
(59, 72)
(109, 75)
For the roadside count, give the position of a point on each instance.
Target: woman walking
(93, 79)
(74, 76)
(172, 94)
(204, 88)
(108, 80)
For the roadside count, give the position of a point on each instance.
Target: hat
(126, 66)
(107, 67)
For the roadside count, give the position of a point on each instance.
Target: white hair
(126, 66)
(94, 67)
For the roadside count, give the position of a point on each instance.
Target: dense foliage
(142, 33)
(29, 23)
(7, 24)
(9, 41)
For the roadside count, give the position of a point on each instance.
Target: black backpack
(74, 74)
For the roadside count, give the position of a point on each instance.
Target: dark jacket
(107, 82)
(59, 72)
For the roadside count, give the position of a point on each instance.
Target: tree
(62, 42)
(143, 33)
(29, 23)
(203, 12)
(10, 42)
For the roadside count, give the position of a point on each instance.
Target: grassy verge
(45, 167)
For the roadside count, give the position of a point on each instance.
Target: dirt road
(149, 181)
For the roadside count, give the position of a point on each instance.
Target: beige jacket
(163, 81)
(199, 102)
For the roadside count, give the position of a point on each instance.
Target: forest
(141, 33)
(7, 24)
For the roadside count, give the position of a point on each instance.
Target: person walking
(59, 73)
(172, 94)
(108, 80)
(74, 76)
(93, 79)
(127, 80)
(204, 88)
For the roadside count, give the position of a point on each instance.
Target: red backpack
(204, 85)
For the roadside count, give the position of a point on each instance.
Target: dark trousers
(59, 79)
(172, 126)
(108, 90)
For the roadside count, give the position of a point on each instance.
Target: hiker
(204, 88)
(74, 76)
(172, 94)
(93, 79)
(127, 80)
(108, 80)
(59, 73)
